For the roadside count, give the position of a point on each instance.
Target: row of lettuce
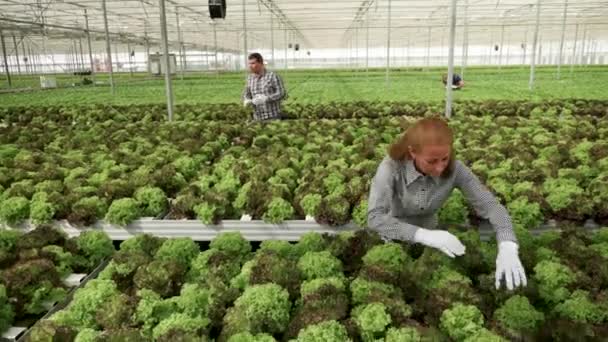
(347, 287)
(296, 110)
(119, 166)
(33, 265)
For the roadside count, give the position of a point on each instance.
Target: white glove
(259, 99)
(509, 266)
(247, 102)
(440, 239)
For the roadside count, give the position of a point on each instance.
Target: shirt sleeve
(247, 92)
(279, 93)
(484, 202)
(379, 218)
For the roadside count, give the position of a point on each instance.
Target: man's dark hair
(257, 57)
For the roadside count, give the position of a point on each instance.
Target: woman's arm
(379, 204)
(484, 202)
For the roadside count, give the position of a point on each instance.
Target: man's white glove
(440, 239)
(259, 99)
(509, 266)
(247, 102)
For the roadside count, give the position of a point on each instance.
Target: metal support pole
(540, 50)
(179, 43)
(448, 88)
(165, 47)
(215, 44)
(561, 42)
(285, 38)
(130, 58)
(81, 53)
(428, 48)
(465, 39)
(523, 60)
(245, 34)
(147, 48)
(92, 65)
(367, 44)
(356, 48)
(108, 48)
(573, 60)
(17, 55)
(75, 62)
(584, 40)
(5, 60)
(272, 38)
(502, 41)
(388, 45)
(533, 61)
(25, 57)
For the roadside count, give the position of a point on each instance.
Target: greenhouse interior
(303, 171)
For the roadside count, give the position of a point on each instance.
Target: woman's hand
(509, 267)
(441, 240)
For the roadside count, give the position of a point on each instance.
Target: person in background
(264, 90)
(415, 180)
(457, 82)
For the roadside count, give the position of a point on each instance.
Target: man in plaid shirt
(264, 90)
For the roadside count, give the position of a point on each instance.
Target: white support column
(17, 55)
(533, 61)
(245, 35)
(465, 39)
(108, 48)
(179, 44)
(448, 88)
(367, 43)
(5, 60)
(165, 47)
(502, 42)
(388, 46)
(25, 56)
(573, 60)
(130, 58)
(89, 46)
(285, 43)
(584, 40)
(272, 38)
(215, 45)
(428, 48)
(561, 42)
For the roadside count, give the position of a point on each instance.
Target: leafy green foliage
(265, 306)
(518, 316)
(278, 211)
(151, 200)
(319, 265)
(325, 331)
(14, 210)
(123, 211)
(461, 321)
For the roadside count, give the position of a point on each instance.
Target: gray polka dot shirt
(402, 200)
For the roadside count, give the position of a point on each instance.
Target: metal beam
(90, 48)
(108, 48)
(245, 34)
(448, 88)
(5, 59)
(533, 61)
(179, 44)
(17, 55)
(561, 42)
(388, 45)
(165, 47)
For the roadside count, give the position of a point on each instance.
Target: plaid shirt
(402, 200)
(271, 85)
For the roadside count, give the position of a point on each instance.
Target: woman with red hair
(416, 178)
